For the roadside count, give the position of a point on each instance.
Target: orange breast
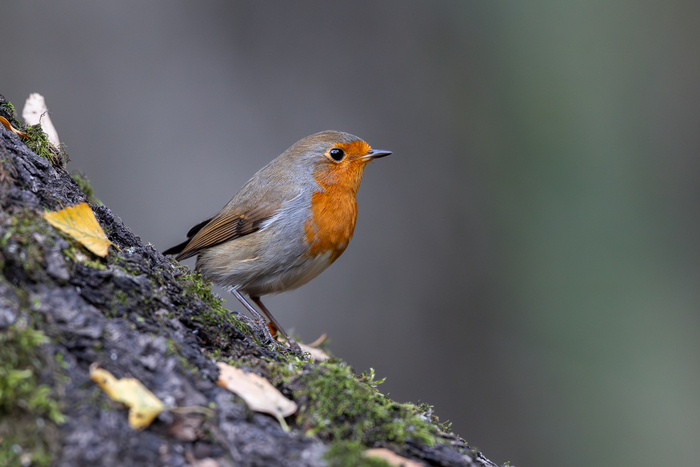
(334, 209)
(332, 222)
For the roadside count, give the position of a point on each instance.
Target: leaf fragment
(314, 349)
(391, 457)
(257, 392)
(143, 405)
(7, 124)
(80, 224)
(317, 354)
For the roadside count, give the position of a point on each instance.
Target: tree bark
(136, 313)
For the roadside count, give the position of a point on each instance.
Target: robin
(287, 224)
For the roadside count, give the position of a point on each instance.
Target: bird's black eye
(336, 154)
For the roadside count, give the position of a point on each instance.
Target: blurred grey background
(526, 261)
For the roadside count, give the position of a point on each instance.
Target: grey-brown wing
(221, 228)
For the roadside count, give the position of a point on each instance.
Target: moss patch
(9, 110)
(23, 233)
(217, 315)
(39, 143)
(85, 186)
(29, 408)
(351, 454)
(338, 405)
(37, 140)
(29, 412)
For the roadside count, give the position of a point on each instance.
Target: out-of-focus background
(527, 261)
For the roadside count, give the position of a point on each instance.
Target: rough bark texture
(137, 313)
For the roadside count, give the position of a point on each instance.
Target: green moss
(17, 381)
(284, 371)
(29, 412)
(217, 316)
(129, 304)
(59, 358)
(9, 109)
(128, 267)
(76, 253)
(121, 297)
(337, 405)
(175, 351)
(21, 229)
(85, 186)
(4, 239)
(351, 454)
(39, 143)
(194, 284)
(95, 265)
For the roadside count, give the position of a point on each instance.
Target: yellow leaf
(257, 392)
(79, 222)
(144, 407)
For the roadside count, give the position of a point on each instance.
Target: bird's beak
(375, 154)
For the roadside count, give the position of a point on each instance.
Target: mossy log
(136, 313)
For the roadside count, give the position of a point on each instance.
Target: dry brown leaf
(144, 407)
(7, 124)
(257, 392)
(391, 458)
(79, 222)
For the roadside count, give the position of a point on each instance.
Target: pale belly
(256, 270)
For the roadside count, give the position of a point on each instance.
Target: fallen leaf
(144, 407)
(391, 458)
(317, 354)
(79, 222)
(313, 349)
(257, 392)
(7, 124)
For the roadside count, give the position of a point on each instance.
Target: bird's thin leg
(256, 316)
(292, 344)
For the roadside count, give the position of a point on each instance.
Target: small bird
(287, 224)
